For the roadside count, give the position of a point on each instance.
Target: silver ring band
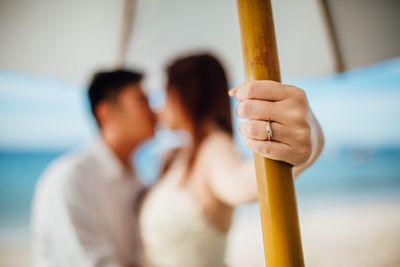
(268, 128)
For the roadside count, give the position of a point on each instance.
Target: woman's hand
(297, 137)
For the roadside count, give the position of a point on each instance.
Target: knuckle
(298, 114)
(291, 89)
(252, 130)
(302, 99)
(295, 115)
(245, 108)
(300, 93)
(304, 153)
(251, 89)
(304, 135)
(297, 93)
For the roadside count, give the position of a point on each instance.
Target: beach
(361, 233)
(17, 255)
(334, 233)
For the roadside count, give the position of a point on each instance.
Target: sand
(351, 235)
(334, 234)
(16, 255)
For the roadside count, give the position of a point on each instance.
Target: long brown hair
(201, 85)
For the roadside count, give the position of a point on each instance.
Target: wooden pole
(276, 194)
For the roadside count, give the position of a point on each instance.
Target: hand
(297, 137)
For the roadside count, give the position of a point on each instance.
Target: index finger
(261, 90)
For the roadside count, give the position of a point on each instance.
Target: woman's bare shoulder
(218, 137)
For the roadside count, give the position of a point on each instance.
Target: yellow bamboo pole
(276, 193)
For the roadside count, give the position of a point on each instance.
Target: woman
(186, 216)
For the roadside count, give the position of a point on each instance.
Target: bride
(186, 216)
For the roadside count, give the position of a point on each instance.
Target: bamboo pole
(276, 193)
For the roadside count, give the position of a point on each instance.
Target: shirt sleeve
(71, 232)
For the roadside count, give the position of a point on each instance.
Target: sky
(357, 108)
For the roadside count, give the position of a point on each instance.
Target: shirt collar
(112, 167)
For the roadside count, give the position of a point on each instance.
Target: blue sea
(353, 174)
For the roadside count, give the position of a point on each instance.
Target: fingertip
(232, 92)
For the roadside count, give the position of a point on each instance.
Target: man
(85, 205)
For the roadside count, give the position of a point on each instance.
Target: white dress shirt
(85, 212)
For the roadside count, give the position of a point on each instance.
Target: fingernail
(232, 92)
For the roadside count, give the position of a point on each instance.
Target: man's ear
(104, 112)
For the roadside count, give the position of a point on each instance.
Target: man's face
(132, 116)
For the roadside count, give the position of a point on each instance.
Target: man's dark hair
(106, 85)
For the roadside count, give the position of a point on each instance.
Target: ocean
(349, 174)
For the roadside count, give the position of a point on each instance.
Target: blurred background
(345, 54)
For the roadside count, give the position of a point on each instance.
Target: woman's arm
(230, 178)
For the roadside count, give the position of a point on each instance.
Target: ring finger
(257, 130)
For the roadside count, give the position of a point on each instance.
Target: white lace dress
(175, 231)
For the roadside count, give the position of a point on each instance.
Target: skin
(119, 120)
(173, 114)
(298, 138)
(220, 185)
